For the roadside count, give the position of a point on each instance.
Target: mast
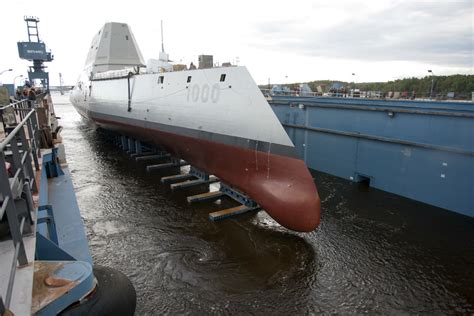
(162, 42)
(163, 56)
(61, 83)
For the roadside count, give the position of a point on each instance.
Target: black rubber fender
(114, 295)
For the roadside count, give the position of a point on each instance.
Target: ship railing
(294, 93)
(19, 151)
(115, 74)
(12, 113)
(22, 106)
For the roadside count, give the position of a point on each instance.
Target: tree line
(461, 85)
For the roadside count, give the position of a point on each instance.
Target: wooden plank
(214, 216)
(190, 183)
(205, 196)
(151, 156)
(143, 153)
(165, 165)
(176, 177)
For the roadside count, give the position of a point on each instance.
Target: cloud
(300, 40)
(439, 33)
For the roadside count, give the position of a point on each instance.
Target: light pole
(14, 79)
(353, 84)
(1, 72)
(432, 83)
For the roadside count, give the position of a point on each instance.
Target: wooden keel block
(215, 216)
(151, 157)
(205, 196)
(190, 183)
(176, 177)
(165, 165)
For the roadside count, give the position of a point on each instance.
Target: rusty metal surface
(21, 295)
(47, 287)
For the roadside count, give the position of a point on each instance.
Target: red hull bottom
(281, 185)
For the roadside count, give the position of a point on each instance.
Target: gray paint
(114, 47)
(251, 144)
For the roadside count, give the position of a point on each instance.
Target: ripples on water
(374, 252)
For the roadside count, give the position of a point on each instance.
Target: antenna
(61, 83)
(162, 44)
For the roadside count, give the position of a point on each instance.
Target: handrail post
(36, 135)
(16, 157)
(12, 215)
(23, 105)
(33, 144)
(28, 163)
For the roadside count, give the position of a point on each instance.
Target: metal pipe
(4, 206)
(14, 79)
(29, 200)
(11, 280)
(432, 86)
(16, 176)
(13, 133)
(11, 104)
(432, 83)
(129, 108)
(1, 72)
(23, 158)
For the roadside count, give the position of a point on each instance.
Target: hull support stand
(194, 177)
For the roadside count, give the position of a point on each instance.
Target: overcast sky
(286, 41)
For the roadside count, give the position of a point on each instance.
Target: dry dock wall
(422, 150)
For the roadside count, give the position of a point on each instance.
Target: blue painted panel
(401, 104)
(71, 233)
(453, 132)
(32, 50)
(434, 177)
(49, 251)
(297, 137)
(298, 116)
(436, 130)
(347, 120)
(332, 154)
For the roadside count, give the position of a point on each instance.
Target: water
(373, 253)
